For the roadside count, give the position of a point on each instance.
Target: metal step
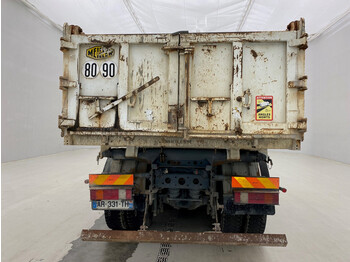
(204, 238)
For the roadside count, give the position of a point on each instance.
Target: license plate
(113, 204)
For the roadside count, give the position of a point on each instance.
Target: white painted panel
(207, 88)
(98, 85)
(98, 76)
(211, 78)
(264, 73)
(149, 109)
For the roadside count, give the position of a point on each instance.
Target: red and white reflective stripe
(110, 194)
(122, 193)
(256, 198)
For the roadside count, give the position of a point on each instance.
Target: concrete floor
(45, 205)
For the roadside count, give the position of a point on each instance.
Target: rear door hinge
(300, 84)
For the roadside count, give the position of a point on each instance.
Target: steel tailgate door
(208, 80)
(237, 85)
(153, 109)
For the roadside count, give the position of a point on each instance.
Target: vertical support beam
(237, 87)
(185, 85)
(173, 85)
(301, 72)
(70, 72)
(291, 93)
(123, 83)
(182, 94)
(73, 93)
(187, 91)
(64, 113)
(173, 79)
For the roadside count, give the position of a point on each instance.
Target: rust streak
(254, 54)
(207, 238)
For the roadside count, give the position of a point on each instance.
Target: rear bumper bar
(205, 238)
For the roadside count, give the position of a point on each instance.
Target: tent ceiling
(155, 16)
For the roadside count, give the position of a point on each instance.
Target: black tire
(232, 223)
(256, 224)
(134, 219)
(126, 219)
(115, 219)
(264, 169)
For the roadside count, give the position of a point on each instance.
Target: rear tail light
(110, 194)
(270, 198)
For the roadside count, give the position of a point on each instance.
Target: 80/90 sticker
(107, 69)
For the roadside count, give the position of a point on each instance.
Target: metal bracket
(299, 84)
(173, 115)
(65, 83)
(233, 154)
(182, 49)
(143, 227)
(217, 228)
(102, 149)
(65, 122)
(237, 116)
(301, 43)
(131, 152)
(65, 45)
(247, 96)
(209, 101)
(93, 98)
(300, 125)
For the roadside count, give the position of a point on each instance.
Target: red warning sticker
(264, 108)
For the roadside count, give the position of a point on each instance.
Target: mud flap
(204, 238)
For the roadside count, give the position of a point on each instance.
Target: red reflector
(109, 194)
(128, 194)
(256, 198)
(93, 194)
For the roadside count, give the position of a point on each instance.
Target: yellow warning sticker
(264, 108)
(99, 52)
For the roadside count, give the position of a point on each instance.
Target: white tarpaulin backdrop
(155, 16)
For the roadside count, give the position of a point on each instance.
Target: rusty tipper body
(189, 116)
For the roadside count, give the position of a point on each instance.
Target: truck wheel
(126, 219)
(134, 219)
(115, 219)
(232, 223)
(256, 224)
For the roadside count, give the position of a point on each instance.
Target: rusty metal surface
(125, 97)
(152, 140)
(205, 97)
(206, 238)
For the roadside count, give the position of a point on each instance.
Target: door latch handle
(209, 101)
(246, 99)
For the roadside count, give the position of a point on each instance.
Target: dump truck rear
(185, 121)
